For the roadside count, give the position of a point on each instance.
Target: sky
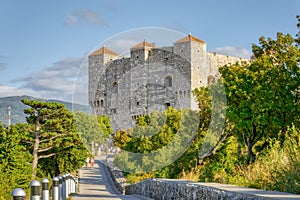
(44, 44)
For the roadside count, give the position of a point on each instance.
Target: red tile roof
(143, 45)
(103, 50)
(189, 38)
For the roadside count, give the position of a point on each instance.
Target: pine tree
(52, 132)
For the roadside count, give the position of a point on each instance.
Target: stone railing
(163, 189)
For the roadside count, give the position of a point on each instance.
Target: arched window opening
(168, 81)
(114, 87)
(101, 103)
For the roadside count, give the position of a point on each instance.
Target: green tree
(92, 128)
(52, 132)
(261, 94)
(213, 124)
(15, 160)
(156, 141)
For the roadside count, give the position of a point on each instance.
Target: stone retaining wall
(117, 177)
(163, 189)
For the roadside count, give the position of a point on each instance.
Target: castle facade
(152, 78)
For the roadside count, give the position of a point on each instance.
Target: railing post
(45, 189)
(64, 187)
(60, 188)
(67, 185)
(76, 182)
(70, 183)
(18, 194)
(55, 189)
(73, 184)
(35, 190)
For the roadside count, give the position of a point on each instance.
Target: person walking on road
(92, 162)
(87, 161)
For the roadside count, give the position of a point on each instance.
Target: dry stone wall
(165, 189)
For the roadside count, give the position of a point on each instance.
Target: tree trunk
(57, 171)
(35, 150)
(250, 144)
(250, 154)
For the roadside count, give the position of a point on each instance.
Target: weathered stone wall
(127, 88)
(214, 61)
(135, 86)
(164, 189)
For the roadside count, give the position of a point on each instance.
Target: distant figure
(92, 162)
(87, 162)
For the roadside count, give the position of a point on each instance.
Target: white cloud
(84, 15)
(15, 91)
(234, 51)
(53, 82)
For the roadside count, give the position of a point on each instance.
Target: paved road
(95, 184)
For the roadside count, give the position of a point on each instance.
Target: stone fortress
(152, 78)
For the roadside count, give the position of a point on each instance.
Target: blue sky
(43, 43)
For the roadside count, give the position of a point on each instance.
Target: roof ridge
(143, 45)
(189, 38)
(103, 50)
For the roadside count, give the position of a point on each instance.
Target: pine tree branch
(52, 138)
(54, 153)
(46, 149)
(49, 155)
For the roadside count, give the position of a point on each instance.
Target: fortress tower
(98, 61)
(152, 78)
(194, 51)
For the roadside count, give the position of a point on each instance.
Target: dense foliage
(261, 94)
(157, 140)
(15, 161)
